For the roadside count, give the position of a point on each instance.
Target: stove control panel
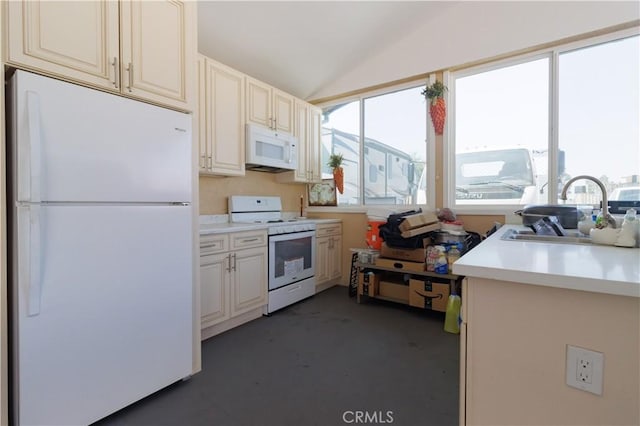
(290, 227)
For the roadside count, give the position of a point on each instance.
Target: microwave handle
(289, 152)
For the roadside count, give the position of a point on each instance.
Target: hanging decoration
(335, 162)
(437, 107)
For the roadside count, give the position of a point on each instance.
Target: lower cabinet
(328, 255)
(233, 280)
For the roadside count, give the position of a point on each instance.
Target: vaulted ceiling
(301, 46)
(315, 49)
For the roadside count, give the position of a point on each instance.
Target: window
(341, 135)
(391, 154)
(501, 120)
(503, 134)
(599, 118)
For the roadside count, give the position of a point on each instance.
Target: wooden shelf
(406, 271)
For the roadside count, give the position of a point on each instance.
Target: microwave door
(270, 149)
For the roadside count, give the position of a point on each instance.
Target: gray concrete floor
(323, 361)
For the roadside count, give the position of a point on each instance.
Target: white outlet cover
(596, 359)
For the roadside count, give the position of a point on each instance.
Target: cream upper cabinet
(269, 106)
(307, 130)
(142, 49)
(221, 101)
(282, 111)
(200, 115)
(314, 150)
(86, 48)
(158, 50)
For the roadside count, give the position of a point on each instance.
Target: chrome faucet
(608, 219)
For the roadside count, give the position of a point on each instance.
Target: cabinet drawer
(211, 244)
(241, 240)
(328, 229)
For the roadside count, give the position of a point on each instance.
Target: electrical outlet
(585, 369)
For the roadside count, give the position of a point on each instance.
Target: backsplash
(215, 191)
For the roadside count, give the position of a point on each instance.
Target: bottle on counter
(452, 315)
(452, 255)
(441, 266)
(627, 235)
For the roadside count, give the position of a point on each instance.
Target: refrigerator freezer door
(115, 310)
(75, 144)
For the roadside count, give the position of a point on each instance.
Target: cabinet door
(158, 51)
(335, 258)
(282, 111)
(75, 40)
(225, 119)
(214, 289)
(258, 102)
(322, 260)
(249, 283)
(204, 158)
(314, 145)
(301, 132)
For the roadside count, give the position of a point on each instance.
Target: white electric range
(291, 248)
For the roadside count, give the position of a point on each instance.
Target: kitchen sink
(572, 237)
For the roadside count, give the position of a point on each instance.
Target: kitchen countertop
(594, 268)
(209, 227)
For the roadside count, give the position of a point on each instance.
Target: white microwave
(269, 150)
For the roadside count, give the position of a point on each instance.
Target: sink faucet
(608, 219)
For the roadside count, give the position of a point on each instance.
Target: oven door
(291, 258)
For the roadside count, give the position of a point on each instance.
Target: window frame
(553, 53)
(429, 149)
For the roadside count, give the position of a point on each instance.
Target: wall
(215, 191)
(471, 31)
(516, 347)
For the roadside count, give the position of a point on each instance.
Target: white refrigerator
(101, 267)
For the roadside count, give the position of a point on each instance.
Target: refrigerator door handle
(30, 264)
(35, 145)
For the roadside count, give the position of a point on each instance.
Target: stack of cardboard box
(424, 292)
(411, 259)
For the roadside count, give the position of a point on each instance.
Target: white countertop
(208, 227)
(595, 268)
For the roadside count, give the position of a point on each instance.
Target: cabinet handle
(203, 161)
(248, 240)
(130, 71)
(115, 72)
(210, 166)
(229, 264)
(234, 261)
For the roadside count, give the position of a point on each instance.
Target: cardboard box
(396, 291)
(400, 265)
(415, 220)
(412, 255)
(428, 294)
(420, 230)
(368, 284)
